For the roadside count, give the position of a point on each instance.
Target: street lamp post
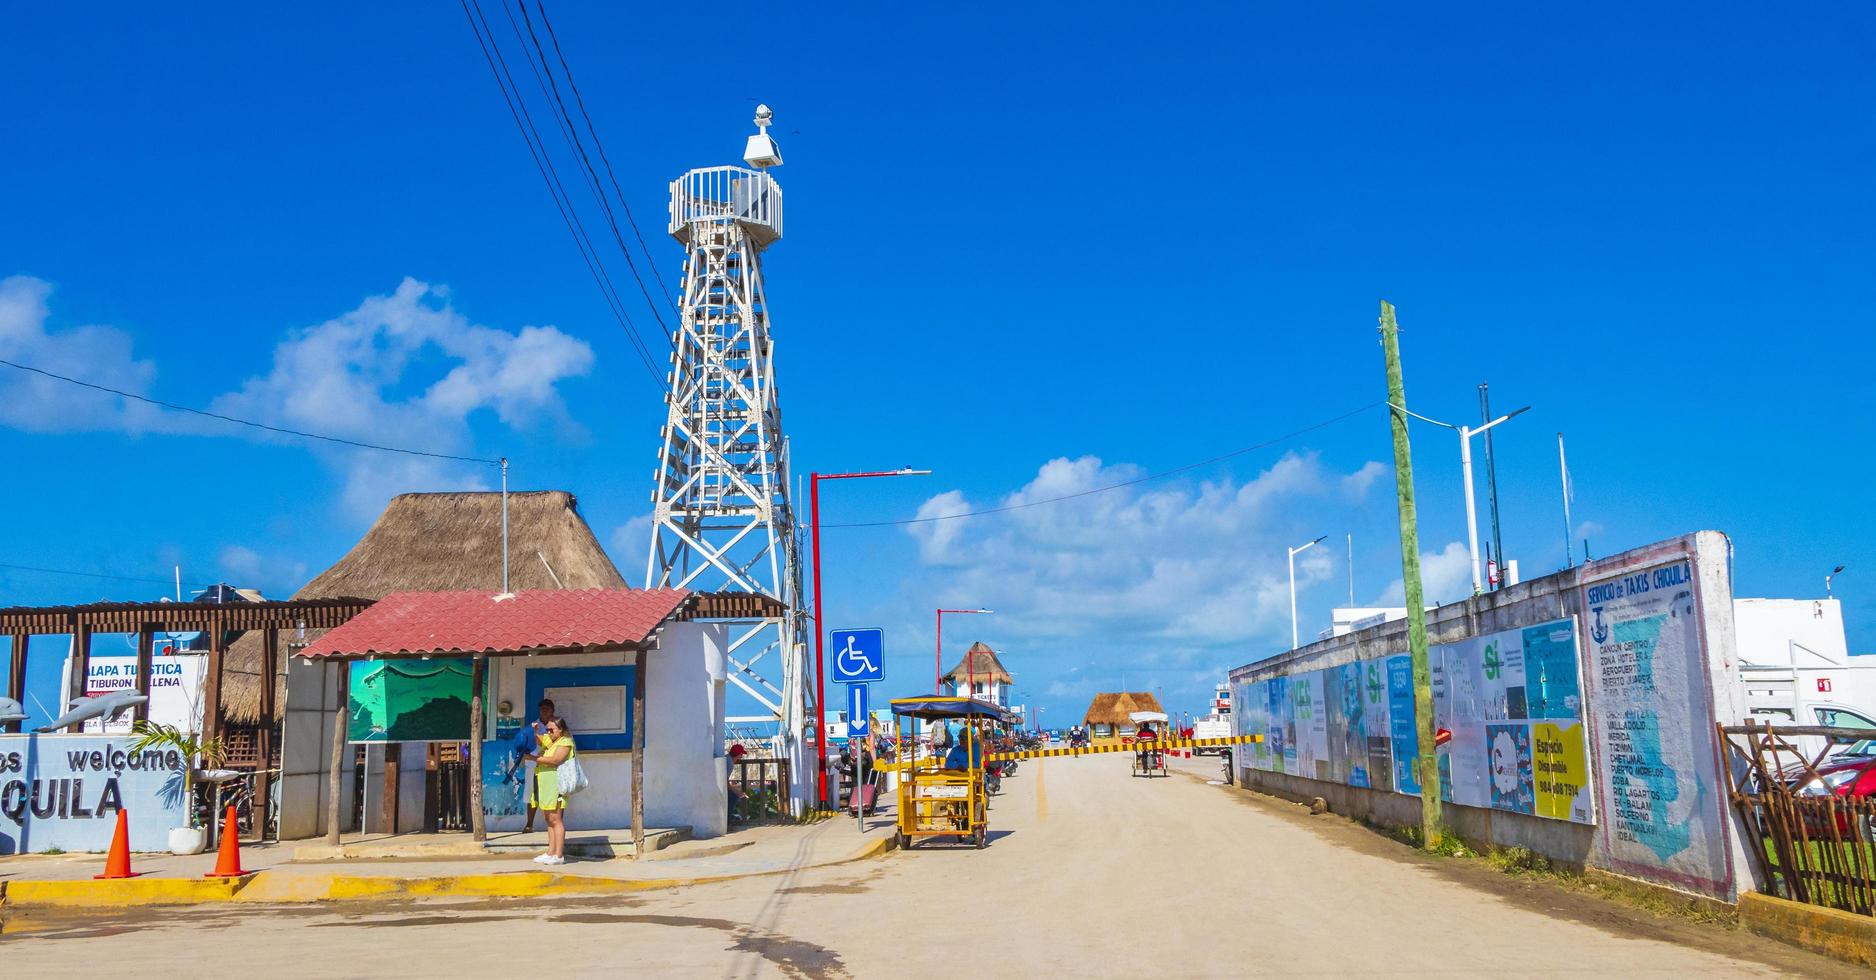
(1827, 580)
(1293, 553)
(938, 654)
(1465, 467)
(820, 676)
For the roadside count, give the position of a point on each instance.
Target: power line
(568, 129)
(581, 102)
(247, 422)
(117, 578)
(1162, 474)
(537, 149)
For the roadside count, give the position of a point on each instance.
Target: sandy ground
(1089, 873)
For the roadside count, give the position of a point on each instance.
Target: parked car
(1850, 774)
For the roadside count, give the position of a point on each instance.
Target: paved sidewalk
(66, 880)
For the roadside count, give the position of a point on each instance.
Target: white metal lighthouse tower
(722, 519)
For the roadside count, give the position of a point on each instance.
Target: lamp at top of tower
(761, 150)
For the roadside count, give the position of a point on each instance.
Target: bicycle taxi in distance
(944, 795)
(1149, 757)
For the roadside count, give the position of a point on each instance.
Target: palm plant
(197, 751)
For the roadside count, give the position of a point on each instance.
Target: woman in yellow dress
(556, 747)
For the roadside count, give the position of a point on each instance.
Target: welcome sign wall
(64, 792)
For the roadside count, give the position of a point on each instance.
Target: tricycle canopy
(940, 708)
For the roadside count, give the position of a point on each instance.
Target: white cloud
(404, 369)
(348, 377)
(244, 567)
(1172, 569)
(1355, 486)
(1445, 576)
(629, 543)
(101, 354)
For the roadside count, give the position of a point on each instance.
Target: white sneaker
(551, 859)
(543, 858)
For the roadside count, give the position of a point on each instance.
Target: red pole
(820, 681)
(938, 659)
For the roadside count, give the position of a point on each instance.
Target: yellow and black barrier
(1164, 745)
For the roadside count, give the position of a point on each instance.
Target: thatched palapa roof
(979, 662)
(1113, 709)
(440, 542)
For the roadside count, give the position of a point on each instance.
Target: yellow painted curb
(124, 892)
(289, 887)
(1835, 933)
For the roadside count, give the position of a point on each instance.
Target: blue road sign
(858, 720)
(859, 656)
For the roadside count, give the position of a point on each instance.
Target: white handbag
(572, 777)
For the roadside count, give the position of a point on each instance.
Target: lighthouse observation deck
(716, 195)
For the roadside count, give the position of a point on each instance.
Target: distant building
(980, 667)
(1107, 714)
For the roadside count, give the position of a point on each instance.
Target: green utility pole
(1427, 765)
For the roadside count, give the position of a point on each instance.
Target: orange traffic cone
(228, 862)
(117, 863)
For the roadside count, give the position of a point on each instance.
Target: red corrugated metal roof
(485, 622)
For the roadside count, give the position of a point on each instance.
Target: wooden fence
(758, 789)
(1810, 844)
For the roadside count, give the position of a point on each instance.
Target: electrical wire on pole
(543, 162)
(580, 100)
(218, 416)
(550, 89)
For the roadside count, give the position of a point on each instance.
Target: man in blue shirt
(527, 742)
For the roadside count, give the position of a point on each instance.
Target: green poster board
(409, 700)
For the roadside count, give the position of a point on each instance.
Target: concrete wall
(306, 751)
(686, 774)
(1628, 834)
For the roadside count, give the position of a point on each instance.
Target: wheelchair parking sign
(859, 656)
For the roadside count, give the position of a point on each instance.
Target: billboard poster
(1402, 730)
(1560, 770)
(504, 779)
(1663, 813)
(1310, 726)
(408, 700)
(1339, 741)
(1459, 707)
(1510, 747)
(175, 689)
(1282, 727)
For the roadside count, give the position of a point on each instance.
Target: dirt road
(1089, 873)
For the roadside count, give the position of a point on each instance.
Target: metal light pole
(938, 655)
(1833, 574)
(820, 676)
(1293, 553)
(1465, 468)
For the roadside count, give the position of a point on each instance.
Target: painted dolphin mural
(106, 706)
(10, 711)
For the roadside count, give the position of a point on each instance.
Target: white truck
(1795, 667)
(1217, 724)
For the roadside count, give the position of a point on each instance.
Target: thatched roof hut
(440, 542)
(979, 662)
(1111, 710)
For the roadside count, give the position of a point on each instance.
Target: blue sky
(1035, 251)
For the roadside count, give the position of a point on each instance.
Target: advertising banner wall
(1588, 696)
(64, 792)
(1510, 700)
